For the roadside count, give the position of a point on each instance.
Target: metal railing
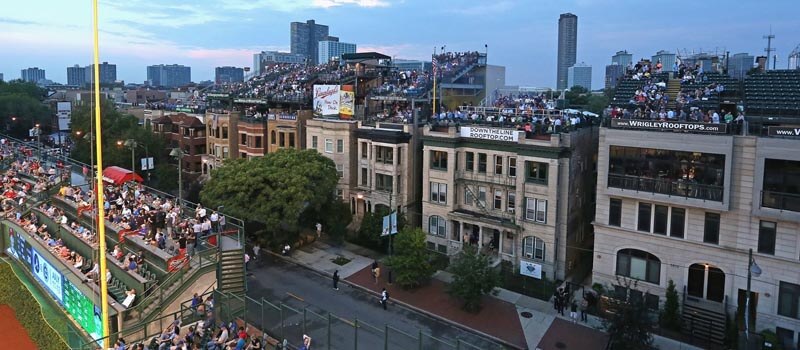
(678, 188)
(780, 200)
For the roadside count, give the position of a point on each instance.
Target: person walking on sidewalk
(584, 306)
(376, 271)
(319, 230)
(573, 312)
(336, 280)
(384, 298)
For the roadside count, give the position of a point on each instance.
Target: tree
(273, 191)
(577, 96)
(22, 107)
(369, 233)
(334, 217)
(629, 323)
(670, 315)
(410, 262)
(472, 278)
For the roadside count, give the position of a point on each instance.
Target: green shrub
(27, 310)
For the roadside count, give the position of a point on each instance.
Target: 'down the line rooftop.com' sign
(495, 134)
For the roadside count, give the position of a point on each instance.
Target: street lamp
(752, 270)
(178, 154)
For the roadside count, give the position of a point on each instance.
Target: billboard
(494, 134)
(326, 99)
(347, 101)
(64, 113)
(670, 126)
(530, 269)
(81, 307)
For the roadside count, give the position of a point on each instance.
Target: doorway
(706, 282)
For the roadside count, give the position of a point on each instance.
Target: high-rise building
(76, 76)
(666, 58)
(265, 58)
(567, 47)
(169, 75)
(305, 38)
(228, 74)
(622, 58)
(739, 64)
(32, 75)
(1, 77)
(580, 75)
(108, 73)
(613, 73)
(330, 50)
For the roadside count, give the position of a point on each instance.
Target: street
(279, 281)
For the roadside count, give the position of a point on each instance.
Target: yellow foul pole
(98, 143)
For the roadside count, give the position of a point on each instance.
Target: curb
(402, 304)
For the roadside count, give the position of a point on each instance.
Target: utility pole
(769, 50)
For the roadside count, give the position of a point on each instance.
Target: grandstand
(773, 94)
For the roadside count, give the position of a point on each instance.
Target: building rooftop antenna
(769, 50)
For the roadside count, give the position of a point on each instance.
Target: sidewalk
(502, 317)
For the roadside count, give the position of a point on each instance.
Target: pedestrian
(384, 298)
(246, 260)
(306, 343)
(584, 306)
(336, 279)
(319, 230)
(573, 312)
(376, 270)
(256, 250)
(286, 249)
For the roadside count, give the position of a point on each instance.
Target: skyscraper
(32, 75)
(169, 75)
(223, 75)
(580, 75)
(305, 38)
(567, 47)
(666, 58)
(260, 60)
(108, 73)
(333, 49)
(613, 73)
(76, 76)
(740, 64)
(622, 58)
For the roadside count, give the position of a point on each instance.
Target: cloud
(360, 3)
(16, 21)
(294, 5)
(484, 8)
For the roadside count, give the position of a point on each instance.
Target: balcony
(670, 187)
(780, 200)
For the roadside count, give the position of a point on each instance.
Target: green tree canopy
(410, 262)
(274, 190)
(473, 278)
(21, 107)
(629, 325)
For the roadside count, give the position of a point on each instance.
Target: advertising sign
(494, 134)
(530, 269)
(147, 163)
(326, 99)
(784, 131)
(670, 126)
(64, 113)
(347, 101)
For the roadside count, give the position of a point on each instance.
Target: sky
(521, 34)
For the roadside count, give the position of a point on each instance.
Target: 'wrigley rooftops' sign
(670, 126)
(490, 133)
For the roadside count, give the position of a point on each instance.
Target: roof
(364, 56)
(185, 120)
(119, 176)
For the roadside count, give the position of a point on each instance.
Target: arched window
(273, 137)
(638, 264)
(437, 225)
(533, 248)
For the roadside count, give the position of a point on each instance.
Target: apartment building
(335, 139)
(222, 129)
(688, 206)
(188, 133)
(286, 129)
(518, 196)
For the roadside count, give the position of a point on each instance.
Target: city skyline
(132, 33)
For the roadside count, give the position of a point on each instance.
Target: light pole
(752, 270)
(178, 154)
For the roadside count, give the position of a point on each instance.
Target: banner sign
(530, 269)
(669, 126)
(347, 99)
(213, 95)
(784, 131)
(494, 134)
(326, 99)
(389, 224)
(147, 163)
(64, 113)
(250, 101)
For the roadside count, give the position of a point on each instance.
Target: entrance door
(697, 279)
(715, 290)
(706, 282)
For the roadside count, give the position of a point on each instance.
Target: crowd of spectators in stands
(541, 122)
(408, 83)
(451, 63)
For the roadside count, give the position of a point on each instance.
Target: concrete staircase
(231, 272)
(673, 90)
(702, 320)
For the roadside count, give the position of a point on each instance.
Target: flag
(435, 64)
(393, 222)
(386, 224)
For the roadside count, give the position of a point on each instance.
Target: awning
(119, 176)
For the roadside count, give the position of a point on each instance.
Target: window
(438, 193)
(660, 220)
(541, 211)
(537, 172)
(224, 132)
(282, 139)
(328, 146)
(615, 212)
(384, 154)
(439, 160)
(789, 300)
(533, 248)
(383, 182)
(273, 138)
(258, 142)
(498, 200)
(512, 166)
(481, 196)
(364, 151)
(437, 226)
(243, 139)
(766, 237)
(291, 139)
(469, 197)
(641, 265)
(314, 142)
(780, 184)
(498, 165)
(224, 152)
(364, 177)
(339, 193)
(470, 161)
(339, 146)
(340, 170)
(511, 204)
(643, 223)
(482, 162)
(677, 224)
(711, 228)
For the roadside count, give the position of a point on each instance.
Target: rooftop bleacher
(775, 93)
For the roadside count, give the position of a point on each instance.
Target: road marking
(294, 296)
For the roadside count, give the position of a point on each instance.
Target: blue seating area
(773, 93)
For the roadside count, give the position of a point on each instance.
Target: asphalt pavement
(278, 281)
